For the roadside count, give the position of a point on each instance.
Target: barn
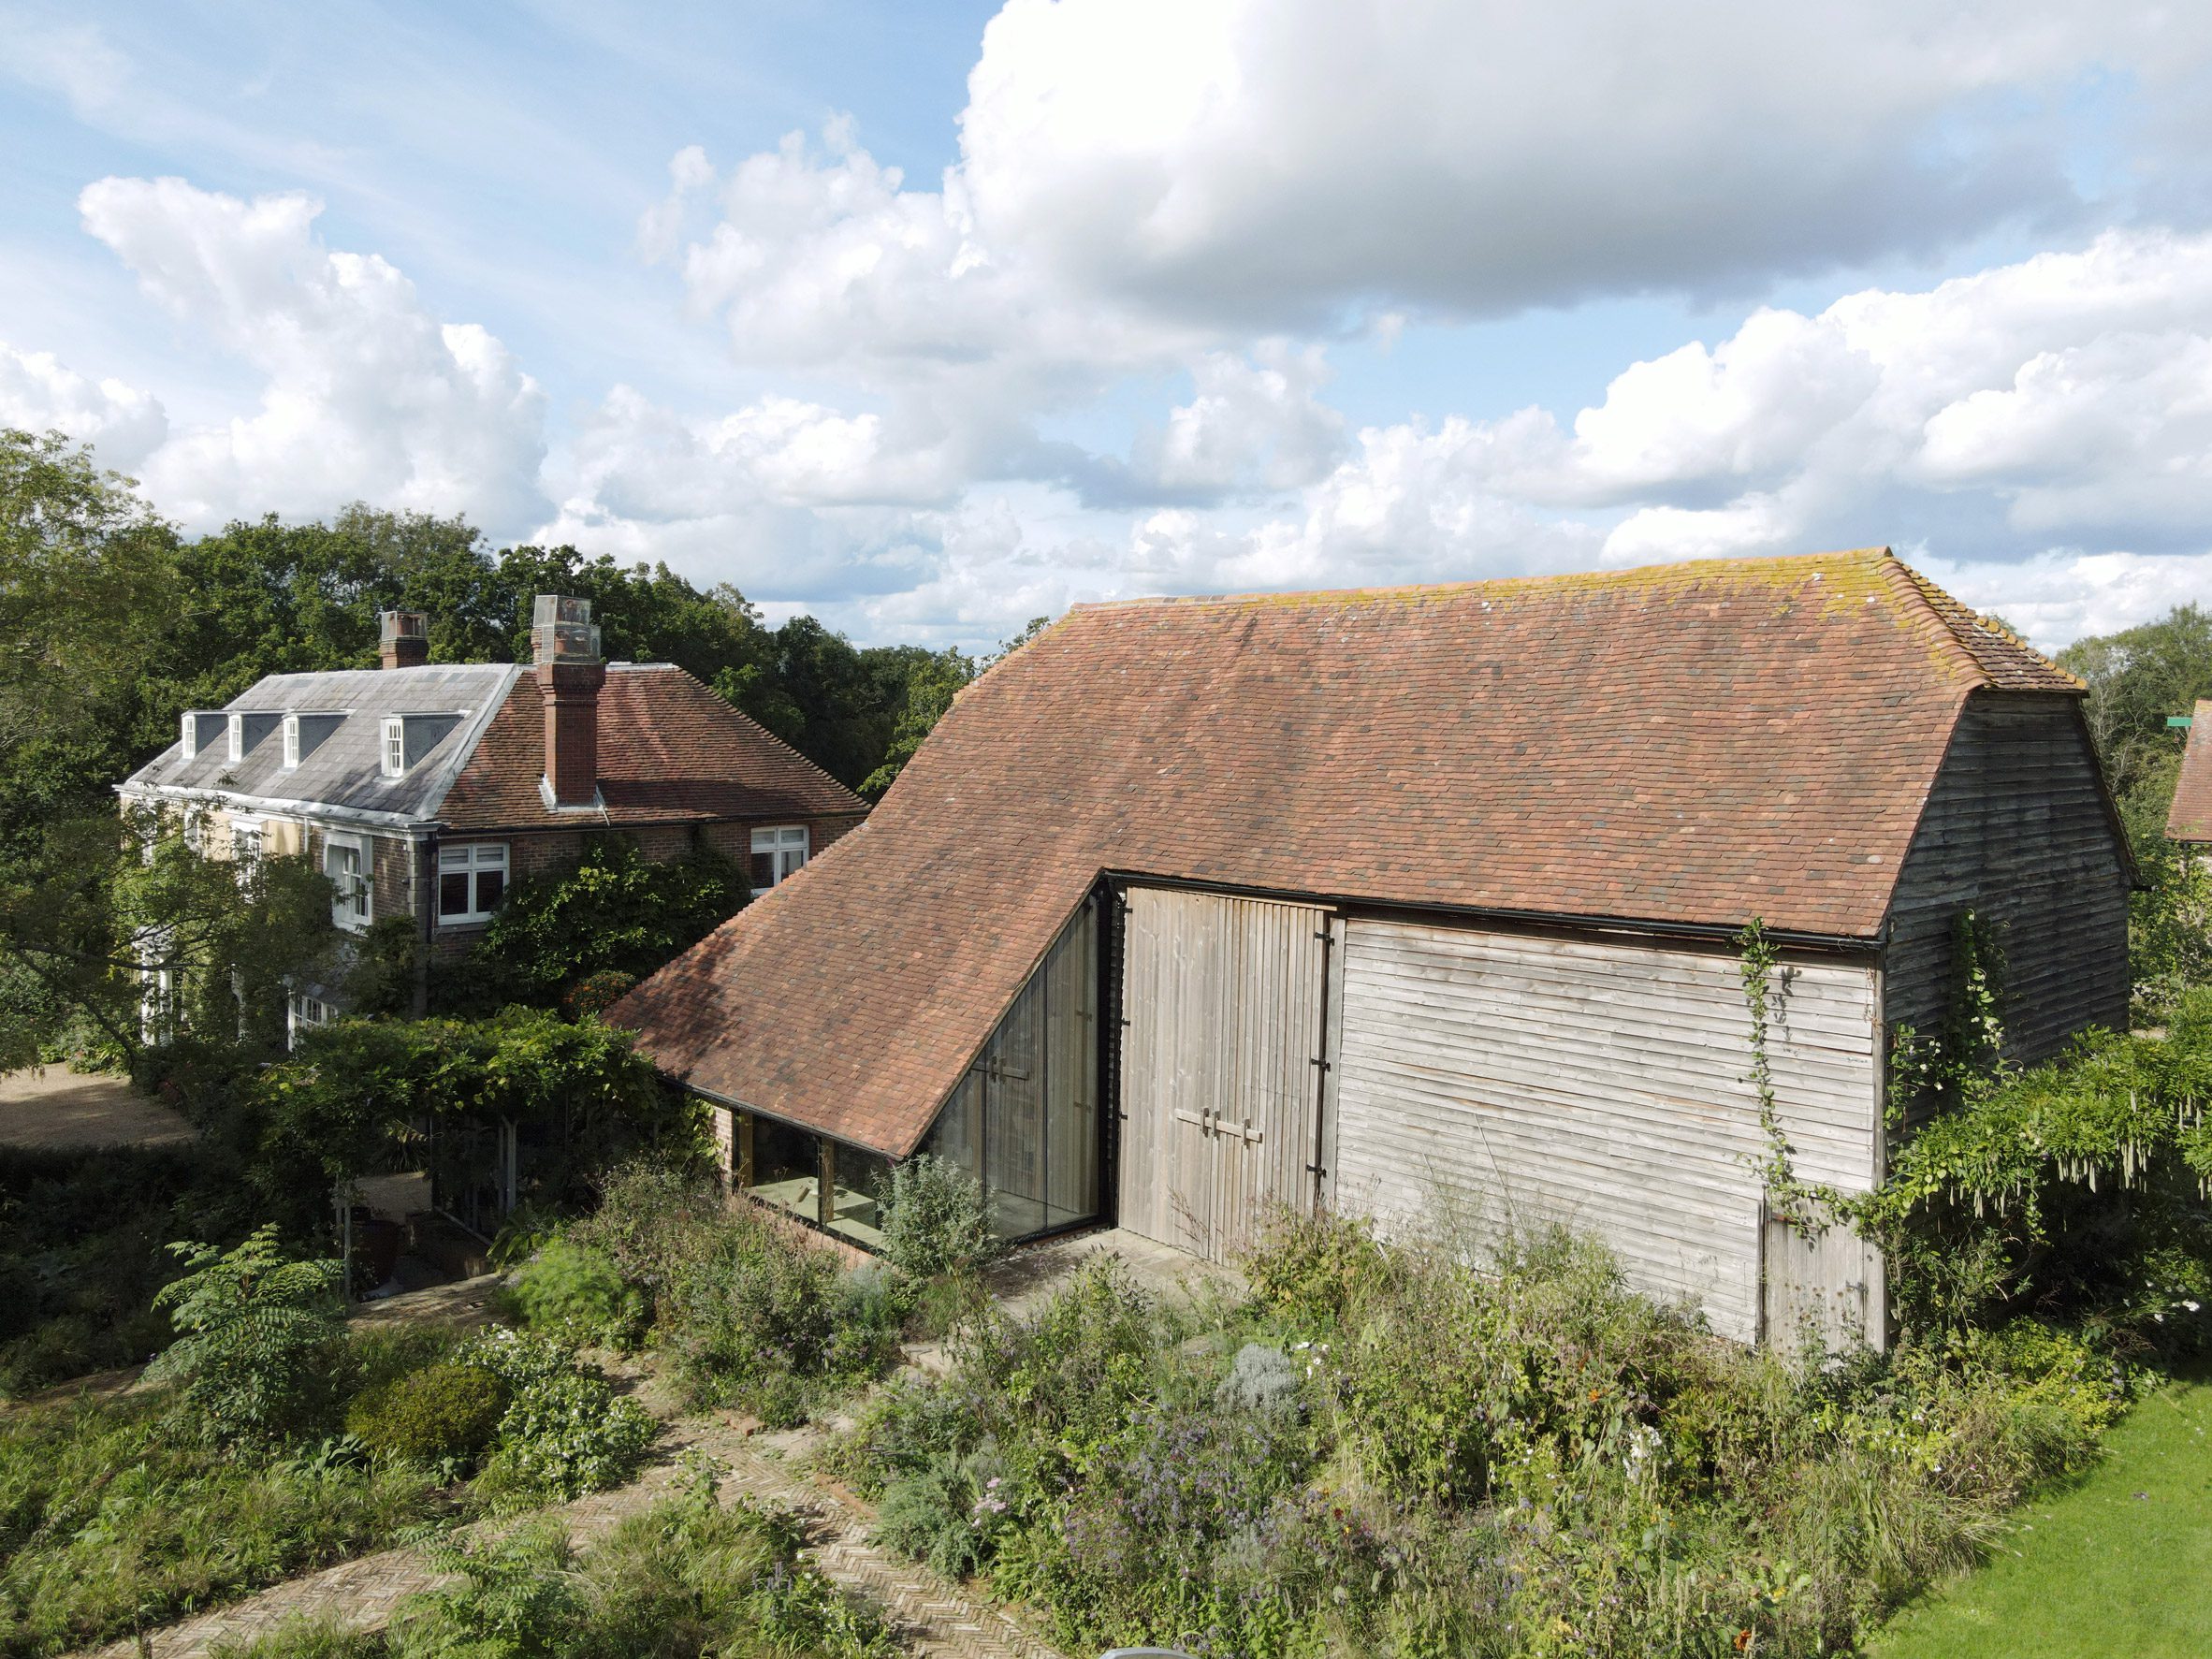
(1423, 903)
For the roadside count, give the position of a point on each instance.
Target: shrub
(322, 1636)
(686, 1578)
(438, 1417)
(517, 1597)
(934, 1220)
(943, 1513)
(565, 1431)
(753, 1310)
(257, 1330)
(1308, 1270)
(576, 1293)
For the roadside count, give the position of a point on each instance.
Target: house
(2190, 818)
(423, 790)
(1422, 902)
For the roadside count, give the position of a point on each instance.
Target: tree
(255, 1333)
(88, 586)
(931, 687)
(126, 923)
(2136, 678)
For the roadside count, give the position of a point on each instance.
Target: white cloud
(1274, 160)
(367, 394)
(37, 393)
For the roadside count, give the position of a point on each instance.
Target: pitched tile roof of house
(345, 767)
(1690, 743)
(669, 748)
(2190, 817)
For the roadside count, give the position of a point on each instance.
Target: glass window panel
(452, 858)
(762, 870)
(453, 895)
(489, 885)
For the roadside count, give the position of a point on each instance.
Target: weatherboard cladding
(2191, 819)
(1689, 744)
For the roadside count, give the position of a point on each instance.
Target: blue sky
(932, 318)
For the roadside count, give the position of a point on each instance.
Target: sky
(930, 318)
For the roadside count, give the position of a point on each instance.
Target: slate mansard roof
(670, 750)
(1691, 744)
(2190, 817)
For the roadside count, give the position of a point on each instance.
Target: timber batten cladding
(1420, 902)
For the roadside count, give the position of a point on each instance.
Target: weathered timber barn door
(1223, 999)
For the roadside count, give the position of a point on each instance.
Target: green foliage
(753, 1309)
(687, 1579)
(353, 1091)
(1387, 1451)
(574, 1293)
(518, 1597)
(565, 1433)
(2136, 678)
(613, 909)
(931, 686)
(2170, 919)
(256, 1330)
(2075, 1186)
(440, 1417)
(111, 1521)
(103, 902)
(595, 992)
(83, 1248)
(935, 1223)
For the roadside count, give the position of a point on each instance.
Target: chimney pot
(404, 638)
(564, 648)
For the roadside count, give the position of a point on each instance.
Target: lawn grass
(2118, 1563)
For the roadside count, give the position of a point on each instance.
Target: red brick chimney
(564, 644)
(405, 638)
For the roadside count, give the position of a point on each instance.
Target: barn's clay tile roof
(1694, 743)
(2191, 819)
(669, 749)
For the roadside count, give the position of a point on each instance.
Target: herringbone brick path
(932, 1617)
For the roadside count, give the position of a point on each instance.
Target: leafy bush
(575, 1293)
(2068, 1189)
(323, 1635)
(565, 1431)
(440, 1417)
(936, 1224)
(257, 1330)
(613, 909)
(753, 1310)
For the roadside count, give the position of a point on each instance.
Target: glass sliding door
(1024, 1120)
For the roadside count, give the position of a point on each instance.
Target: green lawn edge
(2119, 1563)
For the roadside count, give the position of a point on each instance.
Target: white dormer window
(395, 748)
(238, 736)
(189, 730)
(291, 741)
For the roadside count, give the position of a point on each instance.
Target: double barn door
(1221, 1084)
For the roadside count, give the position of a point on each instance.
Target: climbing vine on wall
(1764, 987)
(1939, 1069)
